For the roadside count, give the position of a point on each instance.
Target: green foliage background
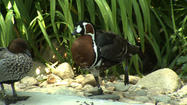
(159, 27)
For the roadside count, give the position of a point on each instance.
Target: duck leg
(100, 90)
(3, 96)
(126, 77)
(14, 98)
(96, 76)
(18, 98)
(3, 90)
(13, 90)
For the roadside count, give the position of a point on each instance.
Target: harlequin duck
(99, 50)
(15, 62)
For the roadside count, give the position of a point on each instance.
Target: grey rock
(107, 96)
(119, 86)
(129, 94)
(165, 79)
(162, 98)
(135, 87)
(142, 98)
(130, 101)
(141, 92)
(176, 102)
(93, 91)
(162, 103)
(134, 102)
(110, 88)
(64, 71)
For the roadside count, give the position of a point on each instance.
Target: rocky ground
(162, 87)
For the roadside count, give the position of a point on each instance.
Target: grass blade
(91, 9)
(46, 36)
(52, 14)
(80, 7)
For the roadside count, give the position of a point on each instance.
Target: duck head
(84, 28)
(18, 45)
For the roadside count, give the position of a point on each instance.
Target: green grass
(154, 23)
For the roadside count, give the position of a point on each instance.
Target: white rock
(29, 81)
(66, 82)
(43, 84)
(41, 78)
(64, 71)
(183, 101)
(162, 98)
(165, 79)
(37, 69)
(110, 88)
(142, 98)
(87, 87)
(89, 79)
(76, 85)
(132, 79)
(79, 78)
(52, 78)
(183, 91)
(120, 86)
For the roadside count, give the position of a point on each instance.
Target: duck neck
(94, 64)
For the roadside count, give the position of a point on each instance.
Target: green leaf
(106, 14)
(9, 26)
(139, 22)
(91, 9)
(80, 7)
(181, 60)
(46, 36)
(20, 24)
(52, 14)
(3, 30)
(184, 67)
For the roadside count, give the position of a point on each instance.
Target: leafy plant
(159, 27)
(182, 60)
(6, 27)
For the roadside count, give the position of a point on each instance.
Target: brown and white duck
(99, 50)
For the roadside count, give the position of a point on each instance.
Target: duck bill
(74, 33)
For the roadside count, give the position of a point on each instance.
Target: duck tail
(134, 49)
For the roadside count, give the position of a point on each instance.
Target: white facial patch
(84, 23)
(79, 29)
